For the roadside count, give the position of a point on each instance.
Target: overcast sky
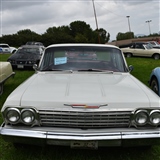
(39, 15)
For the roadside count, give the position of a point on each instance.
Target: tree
(78, 28)
(104, 37)
(123, 36)
(76, 32)
(55, 35)
(27, 35)
(80, 38)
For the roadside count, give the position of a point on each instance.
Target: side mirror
(131, 68)
(35, 67)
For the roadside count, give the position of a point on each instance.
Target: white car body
(82, 108)
(5, 73)
(141, 49)
(96, 88)
(13, 49)
(5, 48)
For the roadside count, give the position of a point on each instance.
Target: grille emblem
(83, 106)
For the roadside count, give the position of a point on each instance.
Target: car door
(140, 50)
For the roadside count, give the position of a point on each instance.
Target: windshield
(148, 46)
(154, 43)
(78, 58)
(4, 46)
(28, 51)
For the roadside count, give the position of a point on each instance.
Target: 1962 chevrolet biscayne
(82, 96)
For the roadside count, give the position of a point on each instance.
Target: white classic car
(5, 73)
(5, 48)
(142, 49)
(82, 96)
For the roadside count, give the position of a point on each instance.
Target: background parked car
(154, 80)
(142, 49)
(5, 73)
(5, 48)
(154, 44)
(26, 56)
(13, 49)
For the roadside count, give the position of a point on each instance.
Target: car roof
(82, 45)
(4, 44)
(30, 46)
(34, 43)
(141, 42)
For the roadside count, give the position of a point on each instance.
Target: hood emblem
(84, 106)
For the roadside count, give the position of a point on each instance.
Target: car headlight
(155, 117)
(141, 117)
(12, 115)
(29, 62)
(28, 116)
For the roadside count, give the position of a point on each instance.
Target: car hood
(113, 90)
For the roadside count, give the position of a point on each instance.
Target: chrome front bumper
(66, 137)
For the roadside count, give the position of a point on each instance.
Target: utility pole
(149, 26)
(129, 24)
(96, 20)
(129, 27)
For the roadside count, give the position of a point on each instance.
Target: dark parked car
(26, 56)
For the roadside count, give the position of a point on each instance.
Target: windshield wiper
(69, 70)
(95, 70)
(62, 70)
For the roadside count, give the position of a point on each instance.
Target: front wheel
(154, 86)
(156, 56)
(128, 55)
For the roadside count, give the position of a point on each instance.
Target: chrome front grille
(21, 62)
(74, 119)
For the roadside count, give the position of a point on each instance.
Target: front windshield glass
(78, 58)
(28, 51)
(154, 43)
(148, 46)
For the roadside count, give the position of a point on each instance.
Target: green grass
(142, 70)
(142, 67)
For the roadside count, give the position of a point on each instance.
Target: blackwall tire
(128, 55)
(154, 86)
(156, 56)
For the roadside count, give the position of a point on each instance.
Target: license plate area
(84, 144)
(20, 66)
